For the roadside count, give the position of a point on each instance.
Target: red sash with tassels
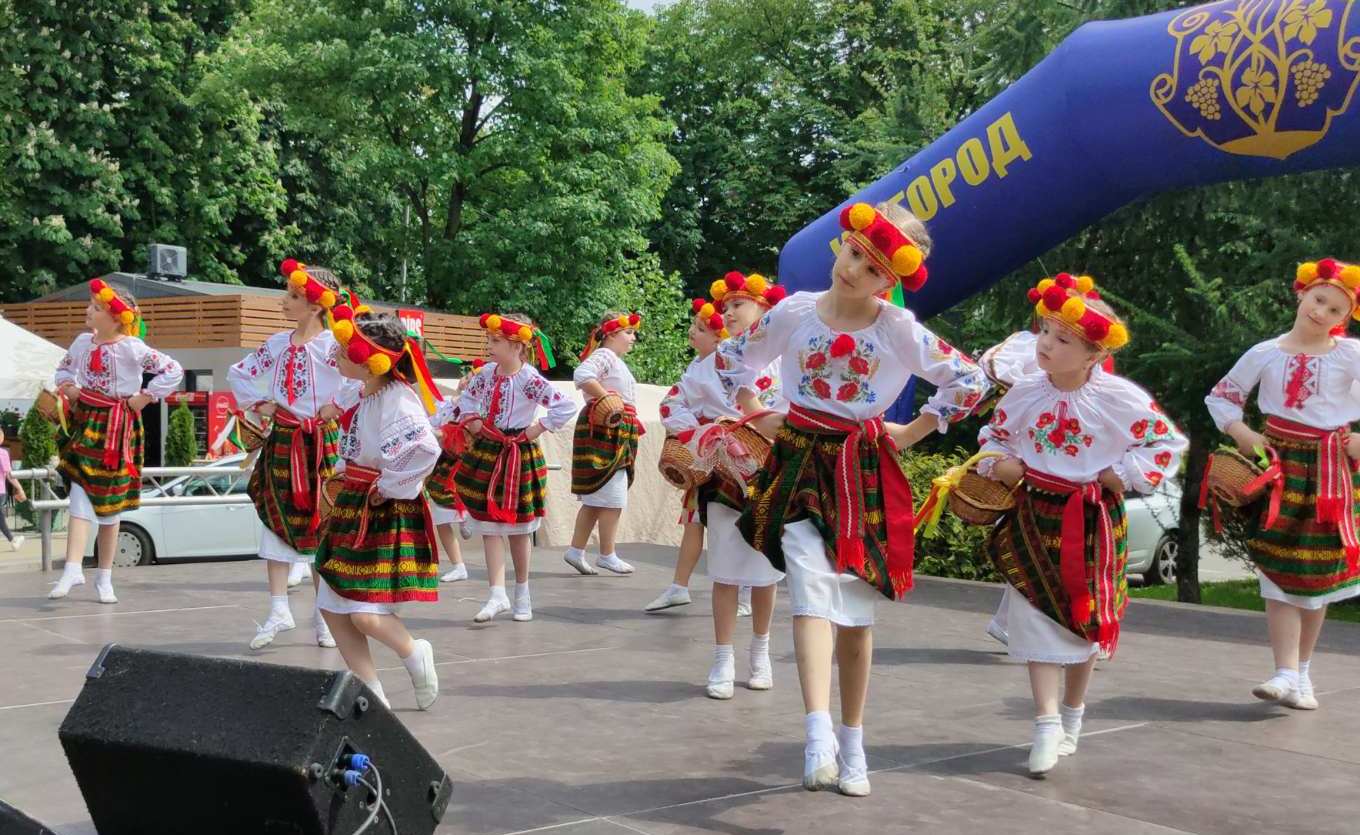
(365, 480)
(1072, 567)
(505, 475)
(1336, 493)
(118, 435)
(897, 501)
(1272, 477)
(304, 490)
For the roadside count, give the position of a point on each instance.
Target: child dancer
(447, 511)
(377, 549)
(9, 482)
(697, 400)
(602, 457)
(1079, 437)
(101, 458)
(832, 507)
(503, 477)
(293, 383)
(733, 564)
(1305, 546)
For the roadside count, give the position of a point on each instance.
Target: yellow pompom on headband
(1063, 299)
(708, 314)
(128, 317)
(299, 279)
(361, 350)
(1344, 277)
(506, 328)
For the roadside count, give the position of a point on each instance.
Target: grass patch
(1239, 594)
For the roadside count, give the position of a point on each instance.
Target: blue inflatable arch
(1121, 110)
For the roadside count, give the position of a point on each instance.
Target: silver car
(152, 533)
(1153, 522)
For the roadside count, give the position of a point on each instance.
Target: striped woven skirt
(440, 485)
(473, 480)
(1301, 556)
(1026, 548)
(285, 511)
(598, 452)
(107, 469)
(380, 553)
(798, 482)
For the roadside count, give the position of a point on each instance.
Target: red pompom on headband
(885, 243)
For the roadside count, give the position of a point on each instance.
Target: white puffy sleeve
(1003, 432)
(166, 372)
(476, 396)
(408, 446)
(1012, 359)
(252, 379)
(1229, 395)
(68, 368)
(676, 414)
(960, 383)
(595, 367)
(561, 410)
(1154, 445)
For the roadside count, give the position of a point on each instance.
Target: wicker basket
(676, 465)
(1229, 473)
(607, 411)
(330, 491)
(980, 501)
(253, 432)
(51, 406)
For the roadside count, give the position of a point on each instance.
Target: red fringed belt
(365, 481)
(505, 476)
(305, 491)
(118, 434)
(1072, 567)
(1336, 493)
(897, 500)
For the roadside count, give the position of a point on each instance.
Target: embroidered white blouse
(300, 378)
(858, 380)
(389, 431)
(1310, 389)
(609, 370)
(1109, 422)
(512, 402)
(698, 397)
(1012, 358)
(115, 369)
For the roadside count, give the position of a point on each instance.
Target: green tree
(528, 168)
(181, 443)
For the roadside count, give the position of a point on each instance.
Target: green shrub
(181, 444)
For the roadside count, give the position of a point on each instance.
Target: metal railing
(217, 480)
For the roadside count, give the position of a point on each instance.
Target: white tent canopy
(27, 362)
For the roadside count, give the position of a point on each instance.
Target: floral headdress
(709, 315)
(755, 287)
(129, 318)
(1344, 277)
(295, 272)
(607, 326)
(1063, 298)
(361, 350)
(514, 331)
(882, 241)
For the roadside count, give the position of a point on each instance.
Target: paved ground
(592, 719)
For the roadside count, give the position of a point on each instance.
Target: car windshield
(233, 480)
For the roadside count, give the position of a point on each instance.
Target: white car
(154, 533)
(1153, 522)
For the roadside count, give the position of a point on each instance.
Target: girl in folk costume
(293, 383)
(602, 457)
(733, 564)
(832, 507)
(697, 400)
(502, 478)
(447, 510)
(1305, 546)
(1078, 437)
(377, 548)
(101, 457)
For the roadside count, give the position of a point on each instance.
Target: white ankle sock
(521, 589)
(760, 643)
(376, 687)
(412, 661)
(852, 746)
(578, 553)
(1071, 718)
(498, 593)
(103, 577)
(820, 733)
(73, 569)
(1305, 680)
(1291, 676)
(676, 587)
(278, 604)
(723, 652)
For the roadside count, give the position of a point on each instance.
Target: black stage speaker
(14, 822)
(167, 743)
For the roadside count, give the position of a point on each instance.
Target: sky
(645, 5)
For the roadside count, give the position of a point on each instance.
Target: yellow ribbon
(940, 488)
